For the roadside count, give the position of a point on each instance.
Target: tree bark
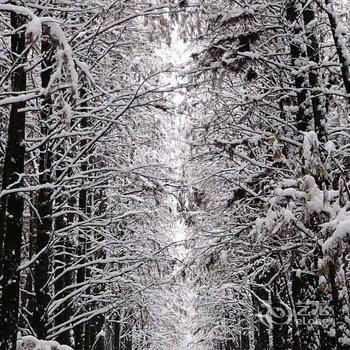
(116, 338)
(244, 335)
(261, 331)
(303, 118)
(339, 304)
(81, 273)
(312, 50)
(11, 232)
(340, 46)
(280, 324)
(44, 227)
(304, 292)
(63, 259)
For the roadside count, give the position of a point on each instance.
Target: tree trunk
(62, 261)
(244, 336)
(304, 294)
(339, 304)
(339, 45)
(296, 286)
(27, 301)
(116, 340)
(303, 118)
(44, 227)
(230, 345)
(261, 330)
(96, 337)
(12, 231)
(127, 340)
(312, 50)
(280, 324)
(81, 273)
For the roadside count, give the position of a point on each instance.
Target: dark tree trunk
(303, 118)
(116, 340)
(279, 321)
(127, 340)
(261, 330)
(339, 304)
(230, 345)
(62, 261)
(341, 49)
(12, 230)
(27, 301)
(81, 273)
(96, 337)
(44, 227)
(312, 49)
(304, 294)
(327, 339)
(3, 205)
(295, 328)
(89, 334)
(244, 336)
(79, 330)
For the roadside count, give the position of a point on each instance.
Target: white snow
(34, 29)
(31, 343)
(310, 146)
(330, 146)
(315, 200)
(342, 230)
(322, 280)
(177, 299)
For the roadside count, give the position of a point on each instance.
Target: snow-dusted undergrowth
(31, 343)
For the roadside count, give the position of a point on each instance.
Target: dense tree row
(80, 102)
(270, 147)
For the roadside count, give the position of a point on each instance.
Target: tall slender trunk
(230, 345)
(339, 45)
(339, 303)
(280, 325)
(62, 261)
(304, 284)
(97, 339)
(295, 289)
(312, 50)
(116, 335)
(44, 227)
(81, 273)
(14, 204)
(328, 340)
(127, 338)
(81, 277)
(27, 300)
(261, 330)
(63, 258)
(244, 335)
(303, 117)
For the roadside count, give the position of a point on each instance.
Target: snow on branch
(48, 25)
(340, 233)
